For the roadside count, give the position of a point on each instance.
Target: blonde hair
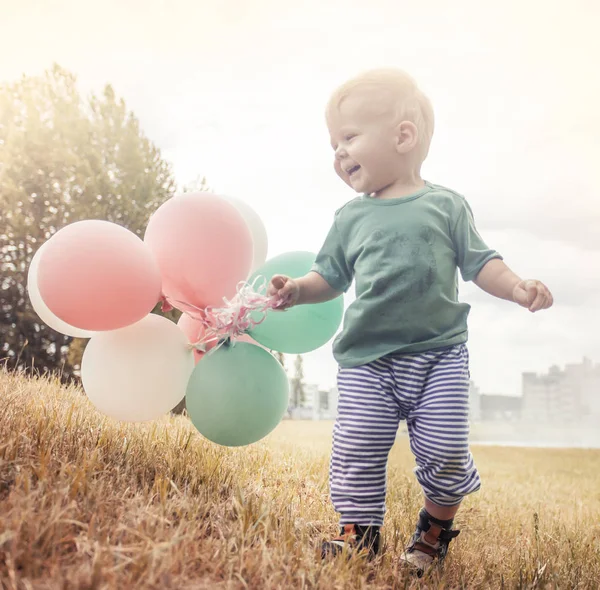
(397, 89)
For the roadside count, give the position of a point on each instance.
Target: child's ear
(407, 136)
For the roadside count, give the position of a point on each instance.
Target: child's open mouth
(353, 170)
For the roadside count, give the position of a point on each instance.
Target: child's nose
(340, 153)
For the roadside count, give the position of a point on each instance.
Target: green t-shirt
(404, 254)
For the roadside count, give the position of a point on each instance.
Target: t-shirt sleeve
(472, 253)
(331, 262)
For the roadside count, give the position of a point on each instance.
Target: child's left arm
(497, 279)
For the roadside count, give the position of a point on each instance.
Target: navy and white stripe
(430, 391)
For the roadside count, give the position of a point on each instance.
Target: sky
(235, 91)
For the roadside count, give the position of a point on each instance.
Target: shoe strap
(448, 535)
(424, 548)
(348, 535)
(425, 545)
(432, 535)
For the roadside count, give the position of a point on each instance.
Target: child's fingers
(277, 283)
(533, 295)
(542, 300)
(532, 291)
(520, 296)
(283, 301)
(538, 303)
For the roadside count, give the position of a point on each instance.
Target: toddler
(402, 351)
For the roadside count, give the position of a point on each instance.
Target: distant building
(564, 396)
(300, 413)
(322, 404)
(318, 404)
(305, 410)
(325, 406)
(484, 407)
(474, 402)
(500, 408)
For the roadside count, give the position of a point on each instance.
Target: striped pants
(430, 391)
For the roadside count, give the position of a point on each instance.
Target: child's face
(365, 140)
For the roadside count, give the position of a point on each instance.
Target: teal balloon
(302, 328)
(237, 394)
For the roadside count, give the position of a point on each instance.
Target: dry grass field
(86, 502)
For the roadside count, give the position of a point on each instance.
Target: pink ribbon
(224, 324)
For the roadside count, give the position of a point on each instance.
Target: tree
(199, 185)
(298, 396)
(281, 358)
(64, 159)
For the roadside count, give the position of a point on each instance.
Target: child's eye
(350, 137)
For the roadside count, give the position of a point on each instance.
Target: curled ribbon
(244, 311)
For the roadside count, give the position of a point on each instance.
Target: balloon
(139, 372)
(96, 275)
(237, 394)
(203, 247)
(194, 332)
(42, 309)
(249, 340)
(257, 229)
(302, 328)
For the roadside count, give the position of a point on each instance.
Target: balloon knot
(238, 316)
(165, 305)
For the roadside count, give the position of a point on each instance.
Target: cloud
(569, 270)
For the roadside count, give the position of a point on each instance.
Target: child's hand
(286, 290)
(532, 294)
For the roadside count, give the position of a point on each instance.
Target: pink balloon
(194, 332)
(96, 275)
(203, 247)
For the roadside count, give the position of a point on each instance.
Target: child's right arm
(311, 288)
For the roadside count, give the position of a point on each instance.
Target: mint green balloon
(237, 394)
(302, 328)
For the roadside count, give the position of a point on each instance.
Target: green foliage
(281, 358)
(298, 395)
(64, 159)
(199, 185)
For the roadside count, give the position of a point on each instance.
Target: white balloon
(42, 309)
(257, 229)
(139, 372)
